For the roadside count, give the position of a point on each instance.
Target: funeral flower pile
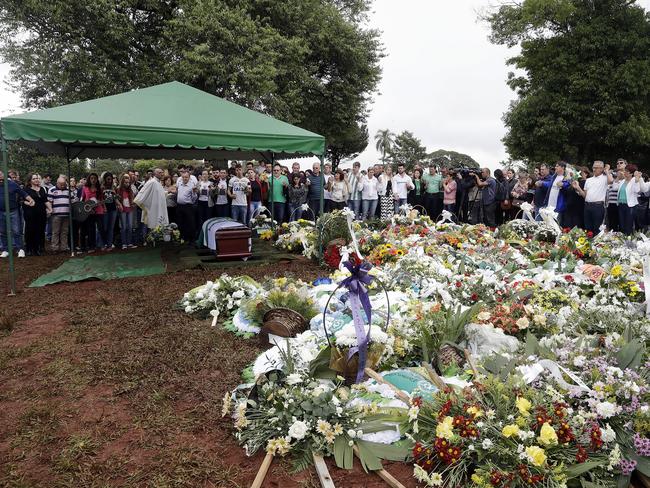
(164, 233)
(523, 351)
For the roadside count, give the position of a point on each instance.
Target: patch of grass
(12, 478)
(7, 355)
(61, 376)
(79, 447)
(186, 467)
(37, 427)
(7, 321)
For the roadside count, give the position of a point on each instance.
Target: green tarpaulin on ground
(105, 267)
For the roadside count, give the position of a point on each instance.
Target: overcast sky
(442, 79)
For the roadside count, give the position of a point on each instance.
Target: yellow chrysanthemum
(547, 435)
(510, 430)
(445, 429)
(536, 455)
(523, 405)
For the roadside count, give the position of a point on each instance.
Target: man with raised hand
(595, 195)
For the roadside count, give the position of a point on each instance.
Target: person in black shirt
(255, 196)
(36, 216)
(110, 215)
(540, 191)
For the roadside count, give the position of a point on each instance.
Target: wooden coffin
(233, 243)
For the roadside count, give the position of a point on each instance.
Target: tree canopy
(452, 159)
(407, 149)
(581, 79)
(312, 63)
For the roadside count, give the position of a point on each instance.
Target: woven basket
(282, 322)
(348, 368)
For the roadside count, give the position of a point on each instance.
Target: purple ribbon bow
(357, 285)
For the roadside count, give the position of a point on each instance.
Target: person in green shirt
(278, 182)
(433, 186)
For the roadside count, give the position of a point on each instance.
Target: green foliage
(333, 226)
(443, 326)
(27, 160)
(580, 79)
(407, 149)
(311, 63)
(255, 308)
(452, 159)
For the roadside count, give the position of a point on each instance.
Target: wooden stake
(437, 380)
(261, 474)
(382, 473)
(379, 379)
(470, 361)
(322, 471)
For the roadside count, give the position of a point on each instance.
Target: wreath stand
(319, 462)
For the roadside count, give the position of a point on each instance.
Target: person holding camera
(488, 185)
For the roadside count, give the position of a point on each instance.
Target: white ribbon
(530, 374)
(349, 215)
(527, 209)
(549, 216)
(215, 316)
(345, 256)
(406, 208)
(258, 211)
(446, 216)
(601, 234)
(644, 249)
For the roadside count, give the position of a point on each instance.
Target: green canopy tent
(172, 121)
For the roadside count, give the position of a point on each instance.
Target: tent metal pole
(271, 190)
(322, 185)
(71, 222)
(10, 245)
(322, 202)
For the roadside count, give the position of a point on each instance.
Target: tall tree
(350, 146)
(407, 149)
(384, 140)
(581, 78)
(312, 63)
(452, 159)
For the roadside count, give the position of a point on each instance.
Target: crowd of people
(121, 209)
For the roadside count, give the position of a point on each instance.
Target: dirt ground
(106, 384)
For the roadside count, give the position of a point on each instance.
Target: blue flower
(322, 281)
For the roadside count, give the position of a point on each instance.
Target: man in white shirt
(402, 183)
(238, 189)
(186, 196)
(369, 196)
(595, 195)
(355, 183)
(327, 195)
